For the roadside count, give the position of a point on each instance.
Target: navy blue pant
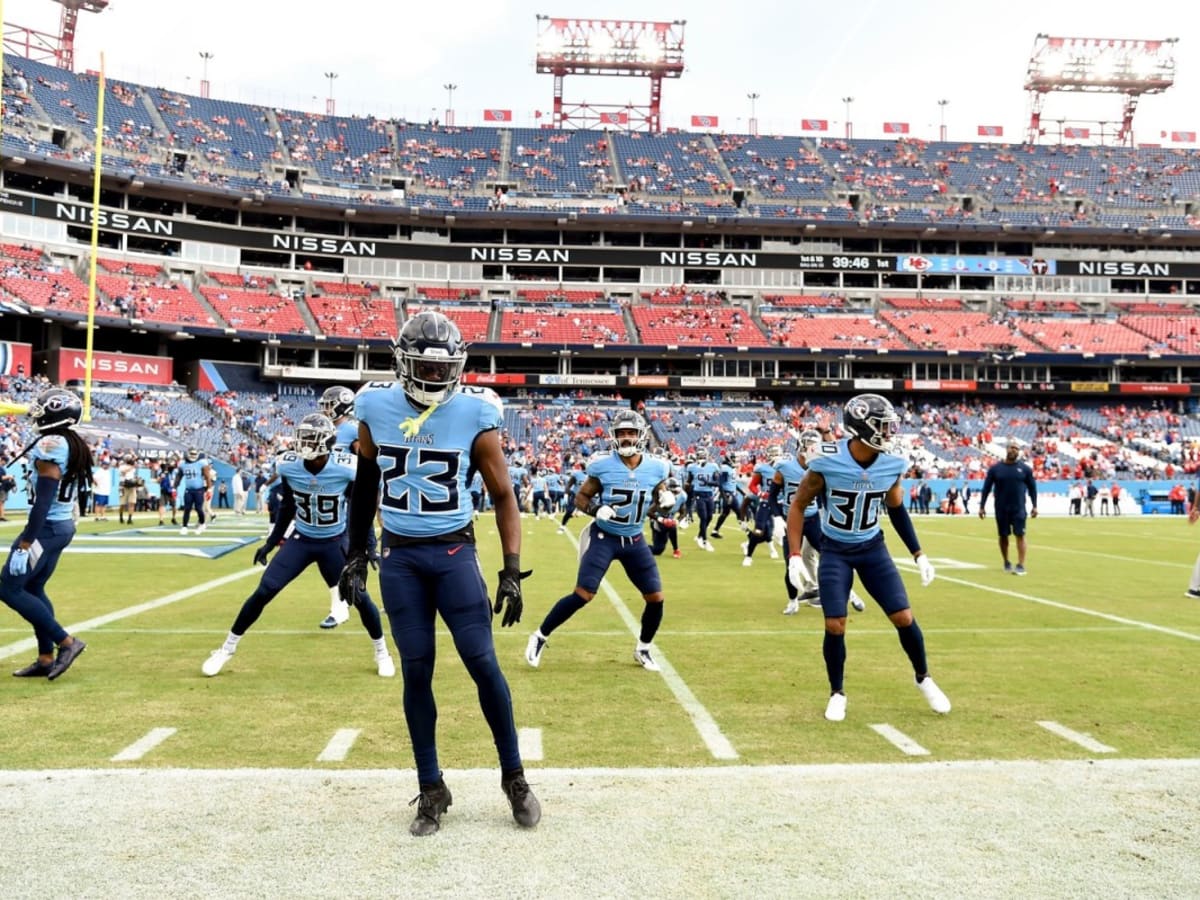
(27, 593)
(193, 498)
(661, 534)
(705, 504)
(418, 583)
(597, 551)
(871, 561)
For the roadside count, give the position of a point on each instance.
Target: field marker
(1148, 626)
(142, 746)
(29, 643)
(1086, 741)
(530, 743)
(716, 742)
(899, 740)
(1141, 560)
(339, 745)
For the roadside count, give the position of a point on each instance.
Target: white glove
(796, 571)
(779, 529)
(925, 567)
(18, 562)
(605, 513)
(666, 500)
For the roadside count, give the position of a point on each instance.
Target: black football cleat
(66, 656)
(37, 669)
(433, 800)
(525, 807)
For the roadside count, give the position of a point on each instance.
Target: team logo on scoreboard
(1039, 266)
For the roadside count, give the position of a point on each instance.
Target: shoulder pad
(344, 459)
(375, 386)
(287, 456)
(829, 447)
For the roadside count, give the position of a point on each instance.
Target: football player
(337, 402)
(664, 523)
(703, 479)
(422, 436)
(195, 476)
(858, 476)
(620, 489)
(62, 476)
(315, 478)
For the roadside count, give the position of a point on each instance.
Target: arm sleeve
(363, 501)
(773, 499)
(283, 518)
(45, 489)
(898, 515)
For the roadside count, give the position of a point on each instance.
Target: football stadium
(808, 389)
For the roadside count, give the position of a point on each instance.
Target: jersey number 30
(854, 510)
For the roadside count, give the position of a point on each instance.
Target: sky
(896, 59)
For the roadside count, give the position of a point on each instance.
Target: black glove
(373, 559)
(353, 578)
(508, 592)
(261, 554)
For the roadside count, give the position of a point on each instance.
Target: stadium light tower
(753, 98)
(1097, 66)
(849, 124)
(450, 89)
(613, 47)
(205, 56)
(942, 104)
(330, 106)
(56, 49)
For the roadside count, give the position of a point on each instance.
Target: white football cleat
(835, 709)
(533, 649)
(792, 608)
(183, 531)
(709, 547)
(384, 664)
(857, 602)
(938, 701)
(217, 659)
(200, 529)
(641, 653)
(774, 552)
(747, 561)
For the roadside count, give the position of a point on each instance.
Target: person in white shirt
(239, 493)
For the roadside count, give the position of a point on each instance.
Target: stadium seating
(697, 326)
(548, 326)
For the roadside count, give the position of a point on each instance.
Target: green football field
(1090, 655)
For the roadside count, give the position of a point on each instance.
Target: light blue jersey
(192, 473)
(705, 477)
(630, 492)
(518, 475)
(346, 435)
(554, 483)
(792, 473)
(424, 464)
(320, 512)
(765, 472)
(854, 495)
(55, 449)
(727, 479)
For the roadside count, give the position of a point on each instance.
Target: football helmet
(628, 420)
(55, 408)
(810, 442)
(315, 436)
(774, 454)
(337, 402)
(873, 420)
(701, 455)
(430, 356)
(192, 454)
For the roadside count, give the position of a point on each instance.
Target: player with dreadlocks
(63, 466)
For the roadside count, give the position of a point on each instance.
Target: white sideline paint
(29, 643)
(339, 745)
(1086, 741)
(1148, 626)
(899, 740)
(142, 746)
(529, 740)
(716, 742)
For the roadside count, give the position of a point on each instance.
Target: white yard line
(339, 745)
(530, 742)
(144, 745)
(716, 742)
(899, 740)
(1147, 626)
(1086, 741)
(117, 615)
(1040, 548)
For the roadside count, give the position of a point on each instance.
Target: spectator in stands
(1013, 482)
